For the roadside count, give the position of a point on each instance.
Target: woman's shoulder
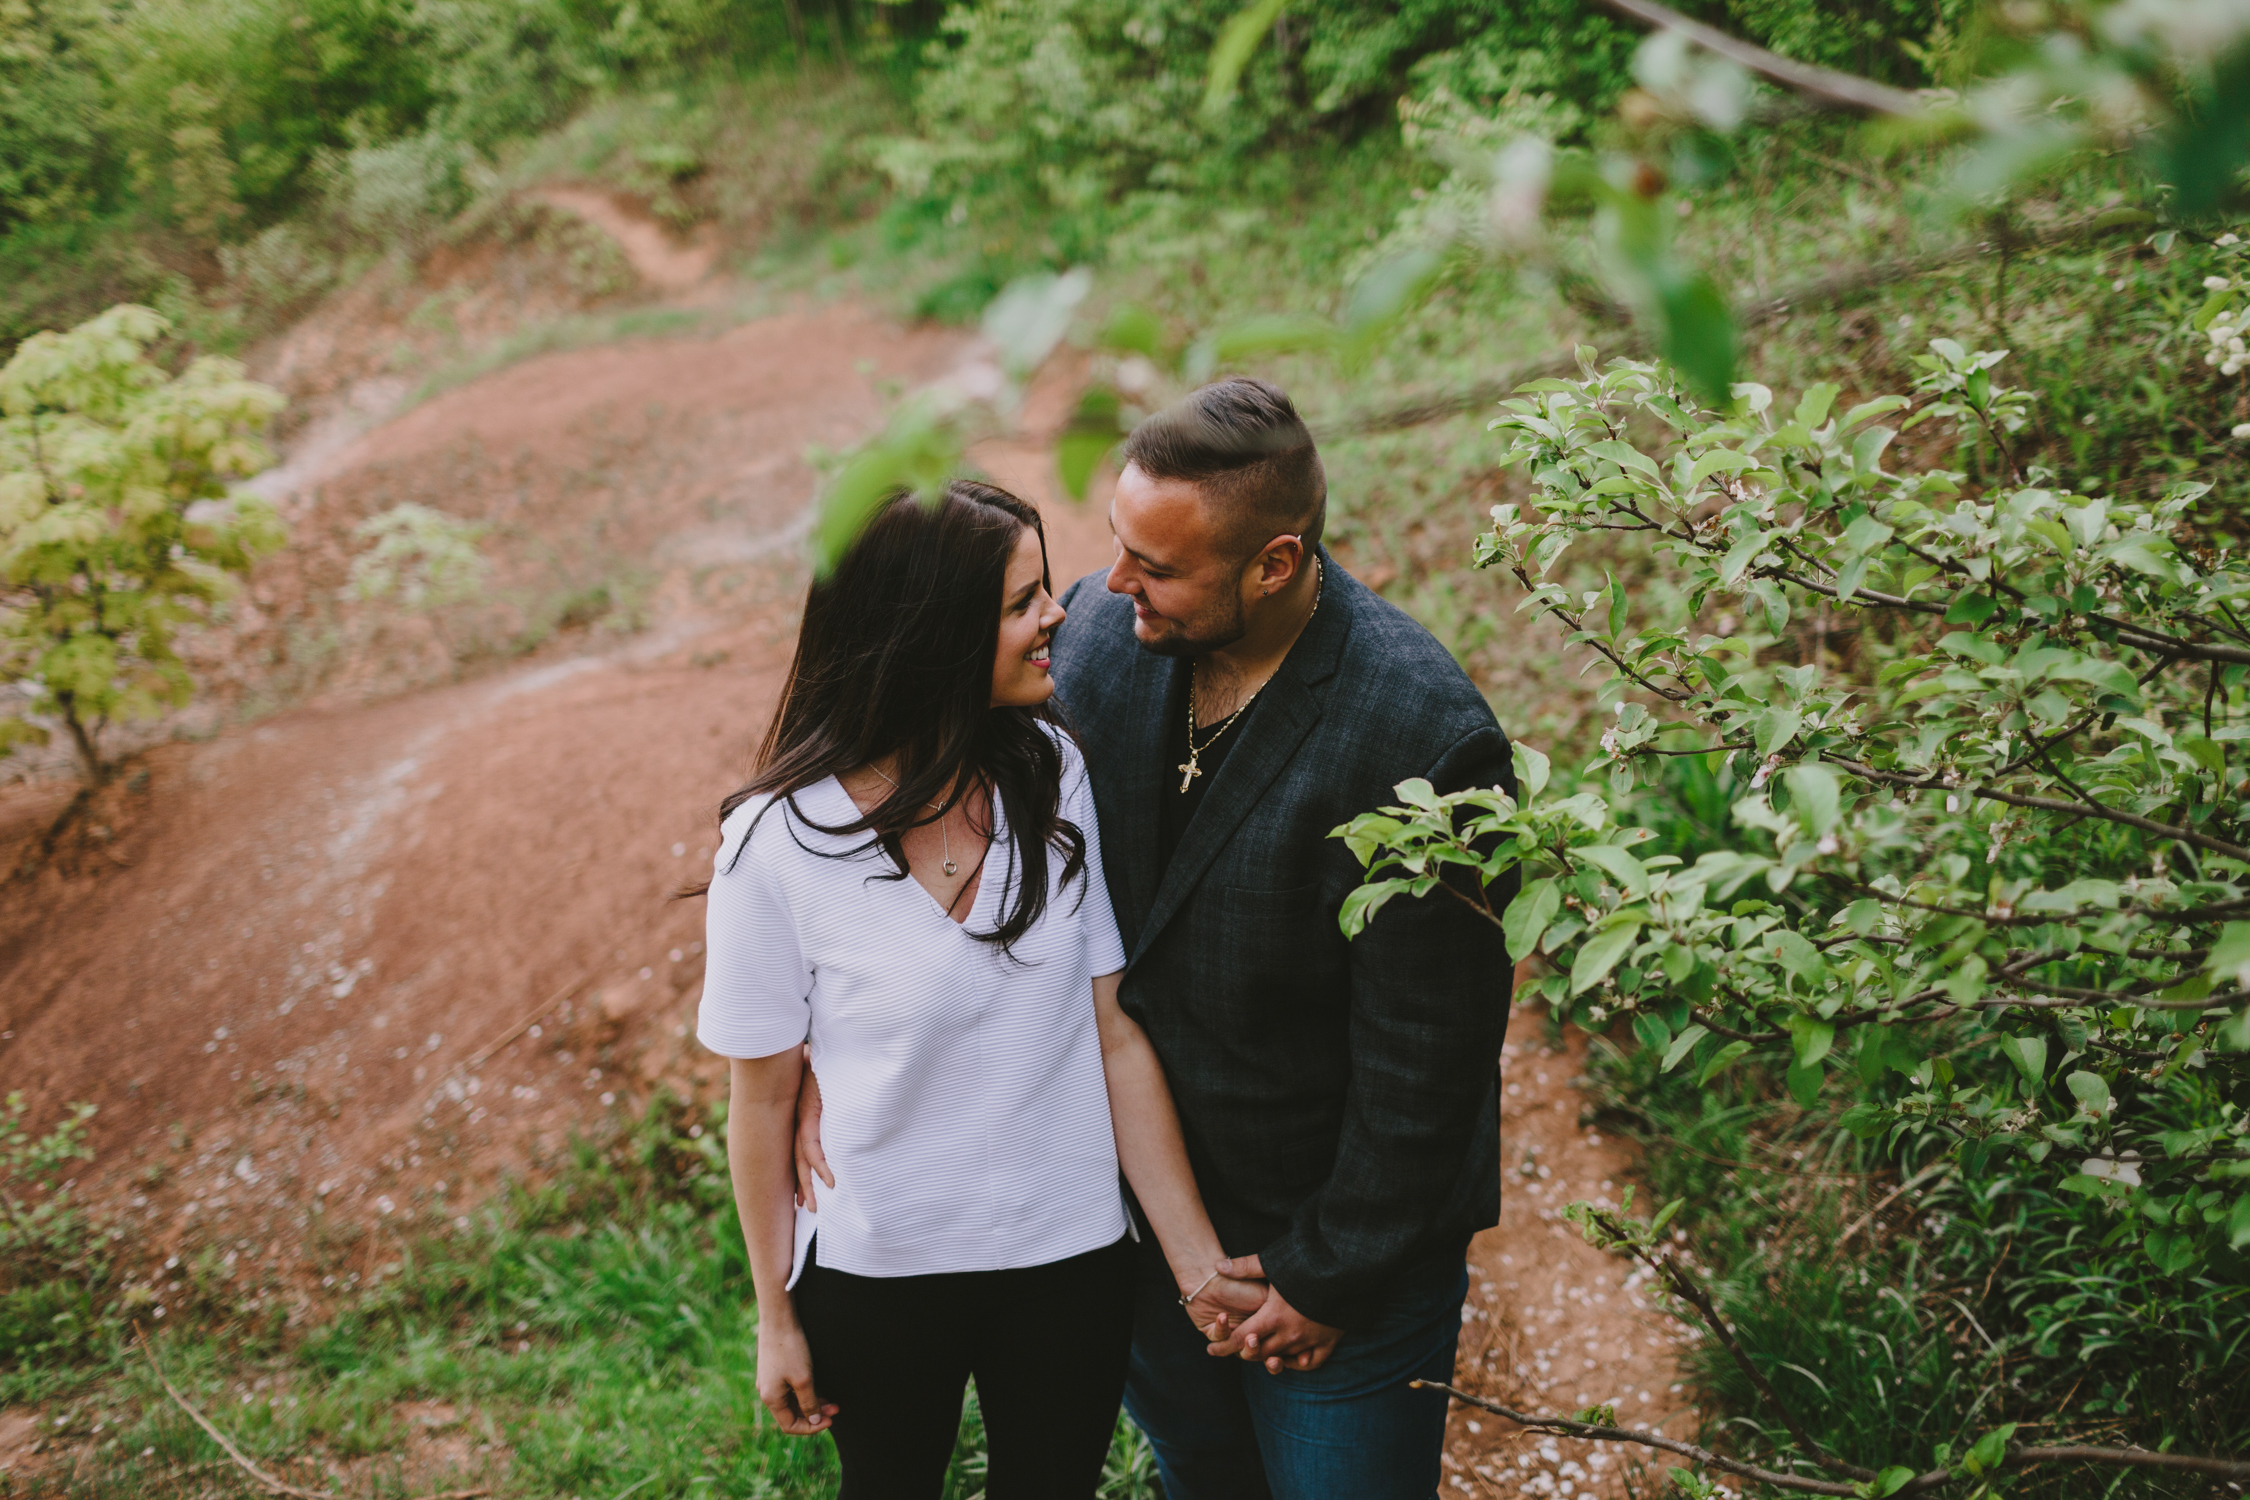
(769, 828)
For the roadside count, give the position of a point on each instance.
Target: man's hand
(812, 1162)
(1223, 1305)
(1277, 1333)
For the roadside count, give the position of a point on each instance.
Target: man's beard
(1208, 634)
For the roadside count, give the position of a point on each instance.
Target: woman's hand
(1223, 1305)
(785, 1381)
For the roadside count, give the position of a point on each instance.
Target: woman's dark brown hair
(895, 659)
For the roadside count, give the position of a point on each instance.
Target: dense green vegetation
(230, 160)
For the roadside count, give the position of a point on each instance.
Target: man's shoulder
(1395, 671)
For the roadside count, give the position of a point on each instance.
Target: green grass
(592, 1333)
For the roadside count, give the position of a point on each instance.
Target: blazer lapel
(1142, 776)
(1286, 713)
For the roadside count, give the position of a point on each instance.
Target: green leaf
(2029, 1054)
(1989, 1450)
(1132, 329)
(1232, 52)
(1739, 556)
(2203, 150)
(1812, 408)
(2230, 955)
(1716, 461)
(1971, 608)
(1720, 1060)
(1527, 916)
(1804, 1082)
(1682, 1045)
(2091, 1091)
(1381, 296)
(1649, 1027)
(1774, 728)
(1811, 1038)
(1889, 1482)
(1362, 904)
(1601, 953)
(1814, 793)
(1255, 337)
(1618, 865)
(2238, 1224)
(1531, 771)
(1697, 336)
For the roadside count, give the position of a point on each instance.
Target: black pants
(1047, 1345)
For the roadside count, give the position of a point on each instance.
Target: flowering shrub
(2002, 869)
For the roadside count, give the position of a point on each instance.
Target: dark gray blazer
(1338, 1098)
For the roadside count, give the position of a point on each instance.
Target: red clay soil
(337, 969)
(285, 946)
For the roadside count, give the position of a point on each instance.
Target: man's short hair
(1241, 443)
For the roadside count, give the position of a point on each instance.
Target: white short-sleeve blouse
(964, 1111)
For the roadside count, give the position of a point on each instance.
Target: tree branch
(1824, 86)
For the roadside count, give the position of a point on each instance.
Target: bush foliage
(116, 521)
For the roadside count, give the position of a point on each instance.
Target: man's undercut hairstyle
(1241, 443)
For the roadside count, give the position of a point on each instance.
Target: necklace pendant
(950, 868)
(1188, 770)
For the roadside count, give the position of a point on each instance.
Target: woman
(912, 885)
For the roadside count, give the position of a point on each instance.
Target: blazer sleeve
(1430, 986)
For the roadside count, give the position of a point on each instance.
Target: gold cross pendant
(1189, 770)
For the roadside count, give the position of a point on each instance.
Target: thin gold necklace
(1192, 767)
(945, 831)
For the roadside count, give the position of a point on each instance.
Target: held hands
(785, 1380)
(1223, 1304)
(1277, 1333)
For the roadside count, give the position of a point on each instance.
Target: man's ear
(1281, 560)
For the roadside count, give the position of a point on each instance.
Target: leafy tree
(116, 523)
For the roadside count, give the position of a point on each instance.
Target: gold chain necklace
(1192, 767)
(945, 830)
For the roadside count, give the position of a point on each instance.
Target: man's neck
(1274, 625)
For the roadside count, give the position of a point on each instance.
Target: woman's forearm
(761, 1124)
(1151, 1149)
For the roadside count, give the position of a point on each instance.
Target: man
(1238, 696)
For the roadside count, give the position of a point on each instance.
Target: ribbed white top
(963, 1106)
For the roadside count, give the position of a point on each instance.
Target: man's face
(1185, 582)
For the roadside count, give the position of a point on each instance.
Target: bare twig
(1823, 86)
(272, 1485)
(1597, 1432)
(1690, 1291)
(557, 998)
(1865, 1219)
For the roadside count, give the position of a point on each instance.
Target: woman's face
(1028, 617)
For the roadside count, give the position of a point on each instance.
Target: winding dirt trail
(341, 968)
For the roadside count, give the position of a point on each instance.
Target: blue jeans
(1223, 1429)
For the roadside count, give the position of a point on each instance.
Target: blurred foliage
(117, 524)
